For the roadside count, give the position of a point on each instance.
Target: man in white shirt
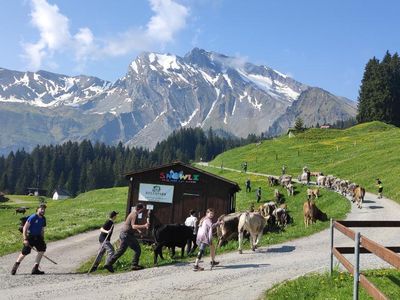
(191, 222)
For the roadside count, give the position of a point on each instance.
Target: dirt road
(243, 276)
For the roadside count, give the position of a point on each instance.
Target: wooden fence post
(356, 274)
(331, 266)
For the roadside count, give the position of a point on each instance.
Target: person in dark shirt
(106, 232)
(258, 194)
(248, 185)
(128, 239)
(380, 188)
(33, 235)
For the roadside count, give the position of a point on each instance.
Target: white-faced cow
(254, 224)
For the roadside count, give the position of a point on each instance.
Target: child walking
(204, 239)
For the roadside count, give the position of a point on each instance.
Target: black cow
(171, 236)
(21, 210)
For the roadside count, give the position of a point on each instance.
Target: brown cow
(358, 196)
(312, 193)
(227, 230)
(312, 213)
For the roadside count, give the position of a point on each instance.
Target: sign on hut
(170, 191)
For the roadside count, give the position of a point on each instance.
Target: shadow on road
(375, 207)
(368, 201)
(282, 249)
(244, 266)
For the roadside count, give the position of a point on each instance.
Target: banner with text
(156, 192)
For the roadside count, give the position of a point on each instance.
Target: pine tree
(299, 124)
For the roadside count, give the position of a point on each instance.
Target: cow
(284, 180)
(303, 177)
(171, 236)
(272, 181)
(343, 186)
(312, 193)
(316, 174)
(329, 181)
(312, 213)
(281, 216)
(21, 210)
(267, 208)
(227, 230)
(358, 196)
(321, 180)
(254, 224)
(290, 189)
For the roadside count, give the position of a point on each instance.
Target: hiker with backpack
(33, 236)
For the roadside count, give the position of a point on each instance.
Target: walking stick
(48, 258)
(101, 248)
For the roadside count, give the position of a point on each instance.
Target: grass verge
(338, 286)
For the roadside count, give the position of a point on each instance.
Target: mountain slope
(361, 153)
(158, 94)
(313, 106)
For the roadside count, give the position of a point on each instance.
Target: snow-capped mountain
(159, 93)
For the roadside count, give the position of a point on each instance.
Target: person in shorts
(33, 235)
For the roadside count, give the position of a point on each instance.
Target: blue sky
(320, 43)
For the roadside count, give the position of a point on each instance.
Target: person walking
(283, 170)
(248, 186)
(204, 239)
(380, 188)
(258, 194)
(128, 239)
(191, 222)
(106, 232)
(33, 235)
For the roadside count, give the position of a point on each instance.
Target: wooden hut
(170, 191)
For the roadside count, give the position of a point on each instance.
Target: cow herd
(272, 214)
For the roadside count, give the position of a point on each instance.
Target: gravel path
(244, 276)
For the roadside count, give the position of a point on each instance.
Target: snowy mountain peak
(158, 94)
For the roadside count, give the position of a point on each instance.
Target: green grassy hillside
(361, 154)
(64, 217)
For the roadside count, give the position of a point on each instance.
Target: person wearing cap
(106, 232)
(33, 235)
(128, 239)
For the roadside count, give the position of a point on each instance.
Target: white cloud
(169, 18)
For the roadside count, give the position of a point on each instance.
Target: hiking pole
(101, 248)
(45, 256)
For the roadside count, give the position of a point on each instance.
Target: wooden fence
(363, 245)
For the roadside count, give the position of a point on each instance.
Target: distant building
(325, 126)
(60, 194)
(291, 132)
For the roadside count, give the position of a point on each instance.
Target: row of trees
(379, 98)
(80, 167)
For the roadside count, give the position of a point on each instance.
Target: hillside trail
(244, 276)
